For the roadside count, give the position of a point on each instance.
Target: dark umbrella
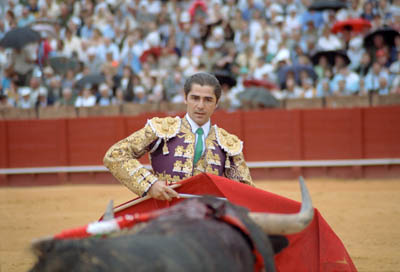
(331, 56)
(296, 70)
(259, 97)
(91, 79)
(387, 33)
(225, 77)
(19, 37)
(353, 24)
(327, 4)
(61, 64)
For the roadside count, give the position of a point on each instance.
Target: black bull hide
(186, 237)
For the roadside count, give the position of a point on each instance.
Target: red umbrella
(317, 248)
(197, 6)
(354, 24)
(155, 51)
(260, 83)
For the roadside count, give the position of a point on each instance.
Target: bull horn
(274, 223)
(109, 213)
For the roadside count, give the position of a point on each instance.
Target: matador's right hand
(161, 191)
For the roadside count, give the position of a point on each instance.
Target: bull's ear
(278, 242)
(42, 246)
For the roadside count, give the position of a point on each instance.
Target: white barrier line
(262, 164)
(322, 163)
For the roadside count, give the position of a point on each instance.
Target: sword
(197, 196)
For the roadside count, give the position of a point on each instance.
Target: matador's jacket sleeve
(235, 165)
(122, 158)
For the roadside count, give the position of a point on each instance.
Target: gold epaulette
(228, 142)
(165, 128)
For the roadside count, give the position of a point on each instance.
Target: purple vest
(173, 160)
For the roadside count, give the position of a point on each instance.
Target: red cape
(317, 248)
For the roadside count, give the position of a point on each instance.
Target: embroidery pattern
(228, 142)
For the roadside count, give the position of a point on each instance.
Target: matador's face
(201, 103)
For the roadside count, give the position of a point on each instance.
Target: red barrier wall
(269, 135)
(272, 135)
(381, 132)
(3, 145)
(89, 138)
(36, 143)
(332, 134)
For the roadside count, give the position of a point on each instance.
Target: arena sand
(364, 214)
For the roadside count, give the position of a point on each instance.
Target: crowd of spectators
(105, 52)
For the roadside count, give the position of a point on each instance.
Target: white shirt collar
(194, 126)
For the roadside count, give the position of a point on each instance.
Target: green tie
(199, 145)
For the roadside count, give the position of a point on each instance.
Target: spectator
(93, 62)
(67, 98)
(25, 101)
(373, 78)
(140, 95)
(36, 89)
(251, 8)
(368, 11)
(27, 17)
(22, 62)
(352, 80)
(54, 89)
(308, 88)
(129, 57)
(42, 99)
(119, 97)
(211, 56)
(12, 94)
(321, 67)
(263, 70)
(108, 47)
(105, 98)
(355, 52)
(4, 103)
(364, 65)
(395, 75)
(383, 86)
(324, 88)
(86, 98)
(69, 79)
(340, 88)
(72, 43)
(328, 41)
(292, 90)
(156, 92)
(293, 20)
(86, 31)
(183, 35)
(247, 59)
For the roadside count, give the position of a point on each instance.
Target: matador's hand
(161, 191)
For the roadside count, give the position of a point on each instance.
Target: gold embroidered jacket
(170, 143)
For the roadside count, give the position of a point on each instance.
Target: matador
(171, 144)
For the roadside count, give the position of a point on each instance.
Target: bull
(199, 234)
